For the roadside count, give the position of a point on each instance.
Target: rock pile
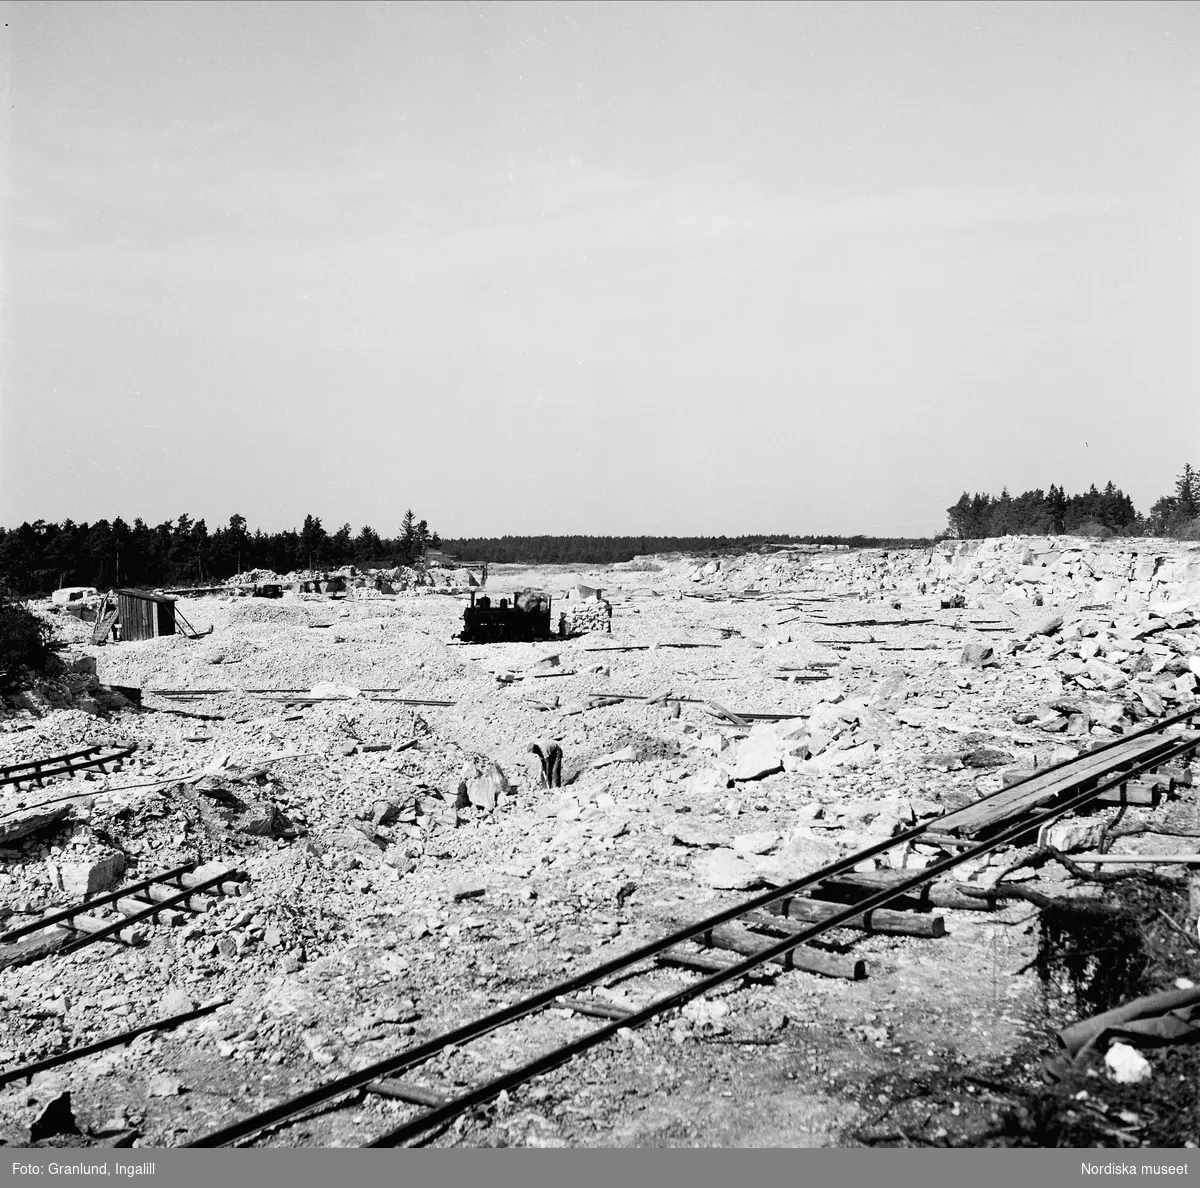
(588, 614)
(752, 572)
(1144, 662)
(1015, 569)
(1019, 569)
(359, 583)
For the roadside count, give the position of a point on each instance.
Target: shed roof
(148, 596)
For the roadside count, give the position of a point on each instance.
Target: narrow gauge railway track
(37, 771)
(67, 930)
(27, 1072)
(293, 696)
(1177, 744)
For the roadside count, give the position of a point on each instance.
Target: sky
(628, 268)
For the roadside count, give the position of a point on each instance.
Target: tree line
(39, 557)
(1093, 512)
(607, 550)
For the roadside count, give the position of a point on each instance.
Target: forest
(39, 557)
(1107, 512)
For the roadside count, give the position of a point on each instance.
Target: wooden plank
(1041, 790)
(103, 627)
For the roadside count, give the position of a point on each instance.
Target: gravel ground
(380, 912)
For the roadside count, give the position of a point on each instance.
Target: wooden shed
(144, 615)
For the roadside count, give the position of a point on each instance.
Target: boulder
(1107, 713)
(356, 841)
(209, 870)
(979, 655)
(32, 820)
(163, 1085)
(760, 842)
(624, 755)
(1047, 626)
(758, 758)
(486, 791)
(726, 871)
(695, 835)
(987, 756)
(946, 761)
(54, 1118)
(1070, 836)
(93, 875)
(1151, 699)
(175, 1002)
(258, 818)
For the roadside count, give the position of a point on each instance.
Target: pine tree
(237, 539)
(408, 538)
(1187, 492)
(312, 542)
(960, 517)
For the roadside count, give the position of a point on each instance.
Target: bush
(1189, 530)
(24, 642)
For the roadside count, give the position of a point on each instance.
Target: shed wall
(144, 618)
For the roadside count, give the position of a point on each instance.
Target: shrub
(1190, 530)
(24, 642)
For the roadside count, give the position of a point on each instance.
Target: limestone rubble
(406, 865)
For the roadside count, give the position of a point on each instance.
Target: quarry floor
(340, 955)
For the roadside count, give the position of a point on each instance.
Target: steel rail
(654, 699)
(55, 765)
(185, 694)
(770, 952)
(500, 1018)
(460, 1035)
(466, 1032)
(99, 901)
(13, 768)
(109, 1041)
(137, 917)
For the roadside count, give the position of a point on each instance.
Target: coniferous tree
(341, 546)
(238, 540)
(312, 542)
(408, 538)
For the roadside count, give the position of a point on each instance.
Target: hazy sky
(607, 268)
